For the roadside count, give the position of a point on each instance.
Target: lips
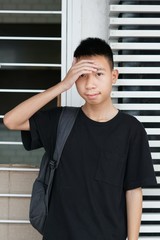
(92, 95)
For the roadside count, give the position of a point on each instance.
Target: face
(96, 87)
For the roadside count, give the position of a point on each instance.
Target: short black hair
(92, 47)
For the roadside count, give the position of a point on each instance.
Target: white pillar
(95, 18)
(85, 18)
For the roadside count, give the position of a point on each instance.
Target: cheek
(107, 85)
(109, 80)
(80, 83)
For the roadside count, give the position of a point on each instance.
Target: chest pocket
(110, 168)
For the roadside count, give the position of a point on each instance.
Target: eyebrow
(101, 69)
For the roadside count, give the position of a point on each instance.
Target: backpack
(42, 185)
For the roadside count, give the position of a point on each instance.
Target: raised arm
(18, 117)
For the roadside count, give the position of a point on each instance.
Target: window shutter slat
(134, 21)
(139, 82)
(131, 8)
(136, 58)
(135, 46)
(135, 94)
(134, 33)
(138, 106)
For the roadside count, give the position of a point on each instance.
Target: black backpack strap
(65, 124)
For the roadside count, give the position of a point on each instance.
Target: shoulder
(132, 124)
(51, 111)
(130, 120)
(45, 120)
(48, 114)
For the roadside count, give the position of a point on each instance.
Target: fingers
(78, 69)
(85, 64)
(82, 67)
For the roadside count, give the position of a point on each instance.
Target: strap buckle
(53, 164)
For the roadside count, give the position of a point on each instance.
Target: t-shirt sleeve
(139, 169)
(43, 129)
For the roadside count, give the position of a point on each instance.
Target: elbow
(7, 121)
(12, 122)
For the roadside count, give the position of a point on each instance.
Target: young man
(106, 160)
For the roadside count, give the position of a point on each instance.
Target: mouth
(92, 95)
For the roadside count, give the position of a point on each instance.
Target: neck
(100, 113)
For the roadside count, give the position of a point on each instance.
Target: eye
(82, 75)
(99, 74)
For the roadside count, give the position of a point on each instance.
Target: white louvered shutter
(134, 35)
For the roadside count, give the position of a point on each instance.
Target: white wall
(86, 18)
(95, 18)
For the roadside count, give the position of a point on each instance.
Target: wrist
(65, 85)
(61, 87)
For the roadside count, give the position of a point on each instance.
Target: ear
(115, 74)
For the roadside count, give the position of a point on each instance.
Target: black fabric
(42, 134)
(100, 161)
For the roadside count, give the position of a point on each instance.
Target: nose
(90, 82)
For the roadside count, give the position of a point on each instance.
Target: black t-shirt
(100, 161)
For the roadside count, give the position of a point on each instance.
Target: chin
(93, 102)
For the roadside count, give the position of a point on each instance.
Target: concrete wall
(95, 18)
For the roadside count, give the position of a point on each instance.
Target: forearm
(16, 118)
(134, 212)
